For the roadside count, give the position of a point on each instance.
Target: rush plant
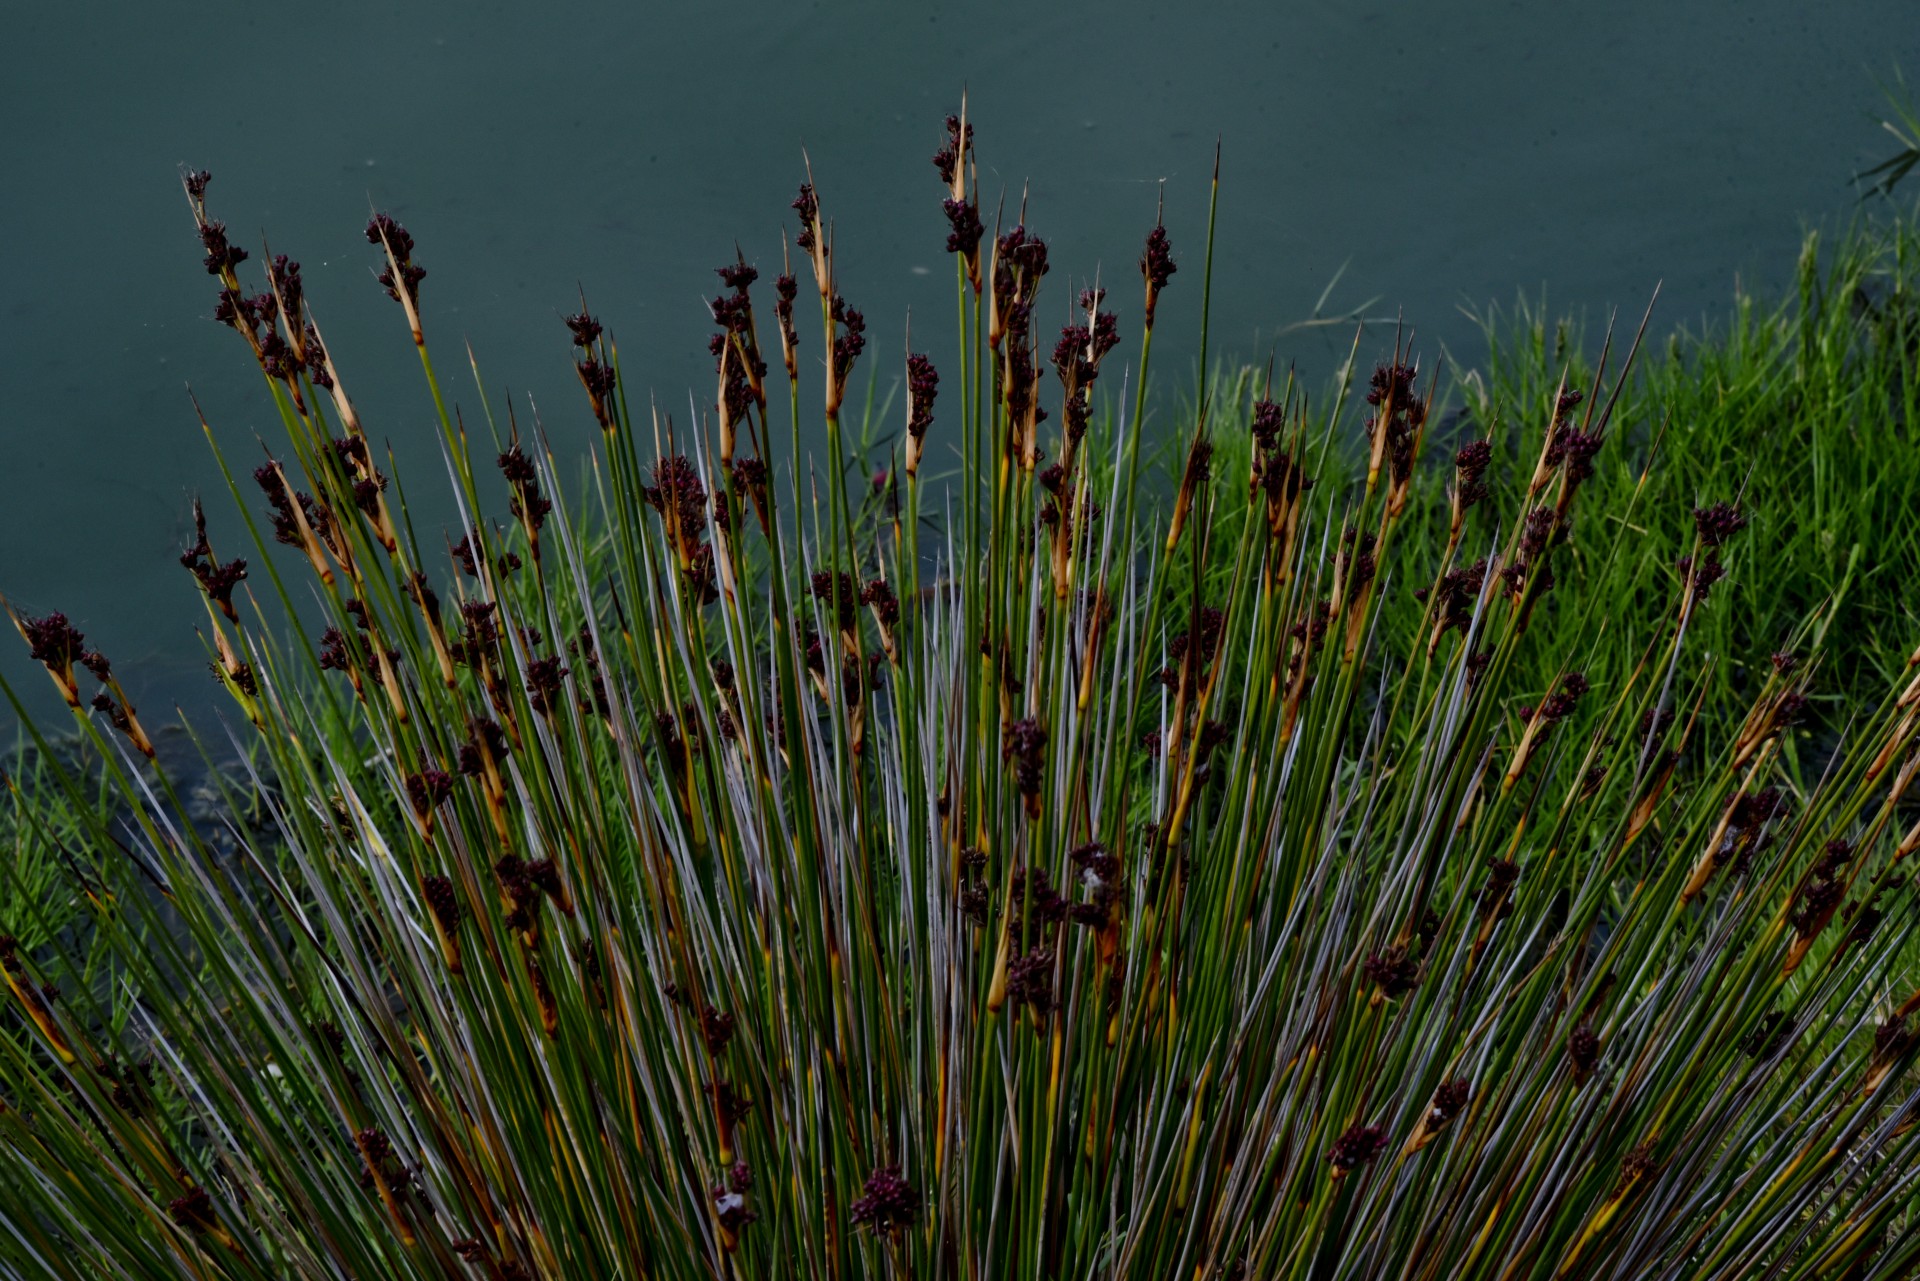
(717, 873)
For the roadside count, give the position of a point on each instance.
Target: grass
(1803, 409)
(732, 870)
(39, 832)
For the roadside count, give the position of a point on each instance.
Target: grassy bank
(1805, 409)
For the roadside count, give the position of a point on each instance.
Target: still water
(1447, 156)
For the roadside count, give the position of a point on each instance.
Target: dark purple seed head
(1268, 420)
(516, 466)
(543, 684)
(716, 1029)
(586, 330)
(1542, 531)
(599, 380)
(1704, 574)
(1583, 1048)
(1393, 970)
(964, 229)
(192, 1209)
(54, 642)
(383, 230)
(807, 205)
(428, 790)
(1026, 740)
(1392, 385)
(222, 255)
(1718, 523)
(1356, 1146)
(442, 901)
(953, 146)
(1470, 464)
(1892, 1038)
(923, 386)
(838, 591)
(888, 1203)
(879, 596)
(677, 488)
(1156, 261)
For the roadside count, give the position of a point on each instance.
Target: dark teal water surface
(1449, 155)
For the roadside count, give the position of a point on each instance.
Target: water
(1445, 155)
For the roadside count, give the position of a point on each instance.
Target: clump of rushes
(695, 897)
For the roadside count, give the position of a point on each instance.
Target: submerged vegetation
(736, 870)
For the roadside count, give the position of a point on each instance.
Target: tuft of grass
(745, 870)
(1903, 123)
